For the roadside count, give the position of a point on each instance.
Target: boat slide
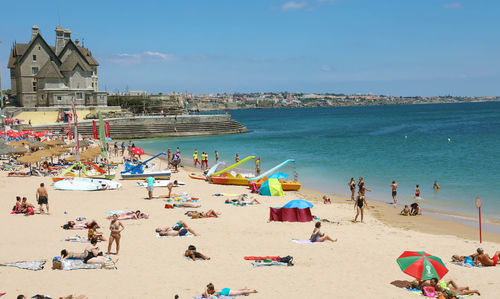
(233, 166)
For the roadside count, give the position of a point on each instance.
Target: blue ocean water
(455, 144)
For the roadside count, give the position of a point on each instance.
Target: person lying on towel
(179, 229)
(193, 254)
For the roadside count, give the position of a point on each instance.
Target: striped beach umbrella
(421, 265)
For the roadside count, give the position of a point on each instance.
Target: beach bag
(429, 291)
(287, 259)
(109, 265)
(169, 206)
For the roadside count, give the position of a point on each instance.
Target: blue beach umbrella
(278, 175)
(108, 139)
(299, 204)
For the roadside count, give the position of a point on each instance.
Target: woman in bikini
(71, 255)
(193, 254)
(207, 214)
(211, 292)
(352, 185)
(93, 233)
(359, 205)
(317, 236)
(116, 227)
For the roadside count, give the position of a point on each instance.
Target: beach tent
(294, 211)
(271, 187)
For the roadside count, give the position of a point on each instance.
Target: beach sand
(362, 264)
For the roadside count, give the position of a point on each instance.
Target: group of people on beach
(22, 206)
(360, 200)
(204, 159)
(479, 258)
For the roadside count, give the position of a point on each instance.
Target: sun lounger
(35, 266)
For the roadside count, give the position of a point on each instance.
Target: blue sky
(399, 47)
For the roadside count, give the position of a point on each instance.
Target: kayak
(197, 176)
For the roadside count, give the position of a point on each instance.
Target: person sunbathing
(242, 200)
(326, 200)
(207, 214)
(93, 233)
(451, 288)
(71, 255)
(485, 259)
(211, 292)
(469, 259)
(193, 254)
(405, 211)
(78, 225)
(132, 216)
(26, 207)
(169, 231)
(317, 236)
(94, 256)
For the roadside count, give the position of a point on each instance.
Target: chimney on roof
(77, 42)
(59, 39)
(34, 31)
(67, 36)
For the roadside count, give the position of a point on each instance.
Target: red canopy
(290, 214)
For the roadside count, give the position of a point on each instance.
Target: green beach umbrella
(421, 265)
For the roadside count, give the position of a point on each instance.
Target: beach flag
(258, 160)
(94, 130)
(102, 136)
(106, 126)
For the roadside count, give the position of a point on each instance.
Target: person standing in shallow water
(352, 186)
(216, 156)
(237, 158)
(394, 187)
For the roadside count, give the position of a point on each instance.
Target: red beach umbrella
(421, 265)
(137, 151)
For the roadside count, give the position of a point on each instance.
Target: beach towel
(186, 235)
(78, 239)
(273, 263)
(418, 292)
(78, 265)
(170, 206)
(119, 212)
(35, 266)
(255, 258)
(1, 294)
(216, 297)
(226, 194)
(305, 241)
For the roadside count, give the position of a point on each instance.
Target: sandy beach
(361, 264)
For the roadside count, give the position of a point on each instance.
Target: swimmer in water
(417, 192)
(436, 186)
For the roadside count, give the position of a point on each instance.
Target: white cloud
(137, 58)
(453, 5)
(326, 68)
(162, 56)
(290, 5)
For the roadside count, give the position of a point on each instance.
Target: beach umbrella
(137, 151)
(421, 265)
(28, 159)
(299, 204)
(278, 175)
(108, 138)
(7, 149)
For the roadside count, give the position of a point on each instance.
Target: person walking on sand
(359, 206)
(116, 227)
(363, 189)
(394, 187)
(417, 192)
(42, 197)
(151, 184)
(195, 158)
(237, 158)
(352, 186)
(436, 186)
(216, 156)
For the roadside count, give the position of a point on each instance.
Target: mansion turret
(51, 76)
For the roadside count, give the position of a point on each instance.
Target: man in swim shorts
(151, 184)
(394, 187)
(42, 197)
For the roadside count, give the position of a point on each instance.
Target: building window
(34, 85)
(92, 84)
(59, 98)
(34, 70)
(51, 58)
(34, 57)
(79, 95)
